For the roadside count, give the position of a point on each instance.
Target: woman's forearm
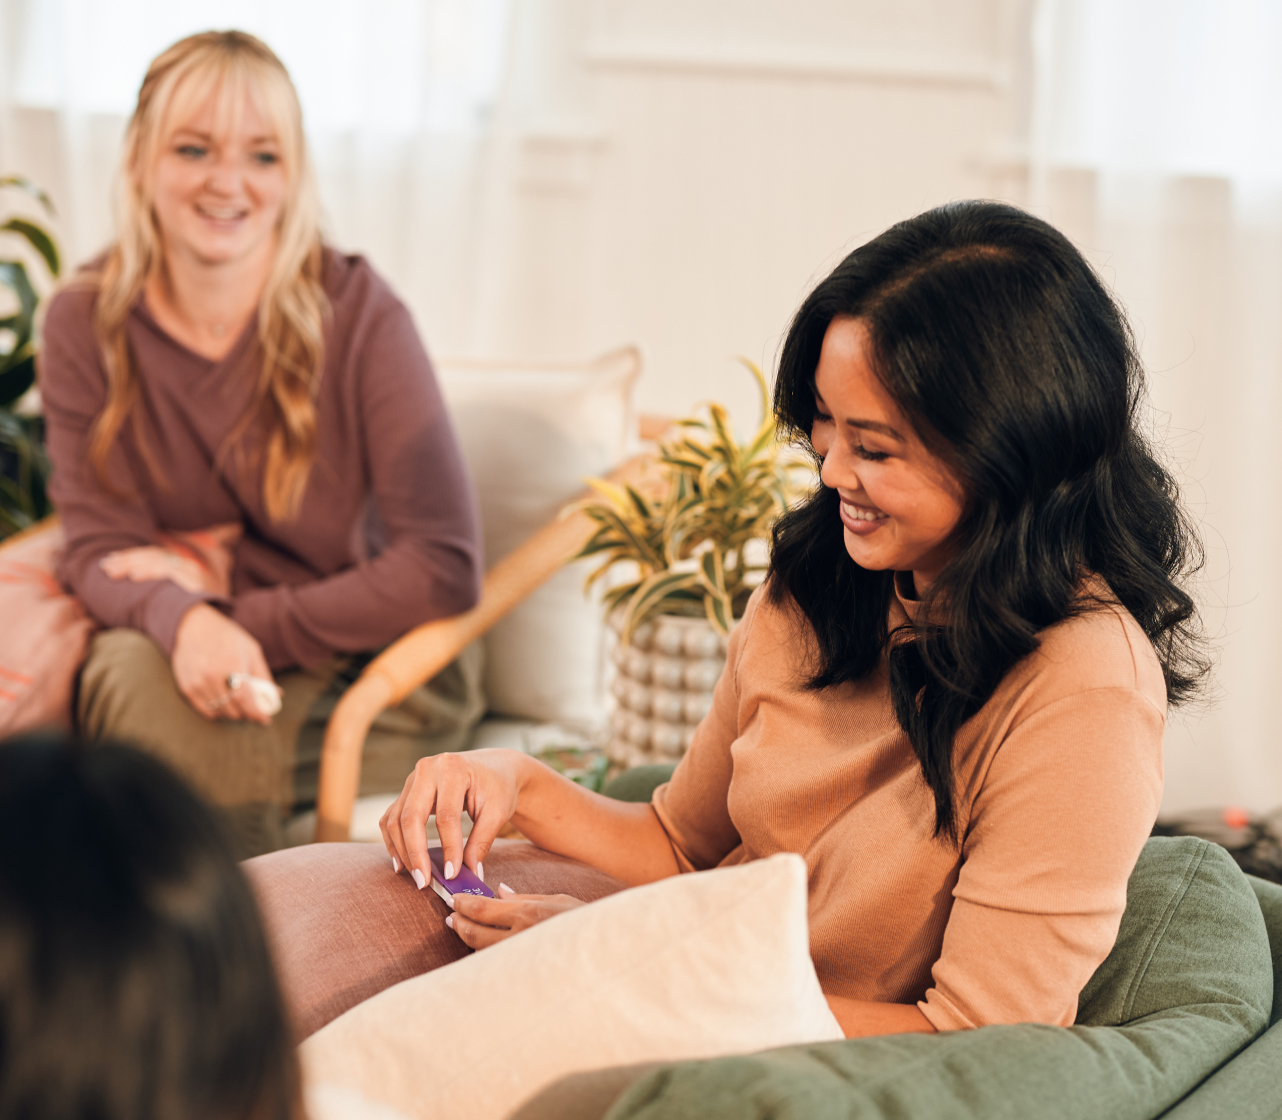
(621, 838)
(860, 1018)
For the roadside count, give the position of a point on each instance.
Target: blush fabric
(344, 926)
(691, 966)
(46, 633)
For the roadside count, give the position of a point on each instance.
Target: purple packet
(462, 883)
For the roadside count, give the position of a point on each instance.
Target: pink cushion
(46, 633)
(343, 925)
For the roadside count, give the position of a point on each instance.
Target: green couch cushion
(1250, 1086)
(1188, 984)
(1269, 896)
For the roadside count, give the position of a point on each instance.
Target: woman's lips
(861, 520)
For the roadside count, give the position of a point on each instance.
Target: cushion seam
(1159, 932)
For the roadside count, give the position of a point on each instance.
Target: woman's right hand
(485, 783)
(208, 648)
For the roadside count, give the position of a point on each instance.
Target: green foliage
(24, 466)
(690, 544)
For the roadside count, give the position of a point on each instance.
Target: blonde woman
(253, 463)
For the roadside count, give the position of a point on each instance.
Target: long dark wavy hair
(1014, 365)
(135, 979)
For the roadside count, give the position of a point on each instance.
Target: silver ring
(234, 681)
(215, 705)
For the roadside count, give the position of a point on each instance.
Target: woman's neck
(206, 306)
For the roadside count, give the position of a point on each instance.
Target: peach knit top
(1058, 781)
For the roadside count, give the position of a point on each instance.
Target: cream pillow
(694, 966)
(531, 434)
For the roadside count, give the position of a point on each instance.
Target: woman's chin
(860, 551)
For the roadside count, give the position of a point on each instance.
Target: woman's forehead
(220, 106)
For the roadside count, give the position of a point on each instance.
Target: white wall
(689, 168)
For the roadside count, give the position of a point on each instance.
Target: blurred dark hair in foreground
(135, 980)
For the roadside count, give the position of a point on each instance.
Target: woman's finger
(390, 825)
(412, 821)
(486, 825)
(453, 781)
(473, 934)
(495, 912)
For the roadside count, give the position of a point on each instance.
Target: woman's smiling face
(218, 195)
(900, 503)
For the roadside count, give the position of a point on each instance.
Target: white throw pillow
(695, 966)
(531, 434)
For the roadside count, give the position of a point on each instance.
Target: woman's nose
(838, 469)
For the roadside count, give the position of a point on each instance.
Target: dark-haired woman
(950, 693)
(135, 980)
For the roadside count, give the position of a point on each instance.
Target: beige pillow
(693, 966)
(531, 434)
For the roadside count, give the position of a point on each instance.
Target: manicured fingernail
(449, 901)
(480, 871)
(417, 876)
(450, 921)
(505, 888)
(449, 870)
(396, 865)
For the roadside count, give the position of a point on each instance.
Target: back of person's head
(135, 980)
(1014, 365)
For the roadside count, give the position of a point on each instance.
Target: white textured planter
(663, 686)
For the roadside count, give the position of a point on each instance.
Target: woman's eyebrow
(877, 426)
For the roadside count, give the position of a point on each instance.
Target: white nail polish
(417, 876)
(449, 870)
(450, 921)
(396, 865)
(449, 901)
(505, 887)
(480, 871)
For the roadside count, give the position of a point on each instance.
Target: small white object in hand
(264, 695)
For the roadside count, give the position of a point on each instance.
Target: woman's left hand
(150, 562)
(481, 922)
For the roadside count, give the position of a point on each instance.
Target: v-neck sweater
(388, 534)
(1058, 782)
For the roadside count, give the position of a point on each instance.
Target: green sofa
(1180, 1022)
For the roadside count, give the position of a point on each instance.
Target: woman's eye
(267, 159)
(191, 151)
(873, 456)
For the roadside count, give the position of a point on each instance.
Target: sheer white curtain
(398, 98)
(1157, 147)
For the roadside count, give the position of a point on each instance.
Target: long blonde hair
(229, 66)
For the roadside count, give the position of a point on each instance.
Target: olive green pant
(261, 775)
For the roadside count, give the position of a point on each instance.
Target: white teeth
(858, 514)
(220, 215)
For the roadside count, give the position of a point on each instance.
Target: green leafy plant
(24, 466)
(690, 542)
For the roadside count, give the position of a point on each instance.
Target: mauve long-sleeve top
(1058, 782)
(387, 469)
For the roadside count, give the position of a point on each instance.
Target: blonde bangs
(233, 69)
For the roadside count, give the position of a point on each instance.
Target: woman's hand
(485, 783)
(197, 560)
(209, 647)
(150, 562)
(481, 922)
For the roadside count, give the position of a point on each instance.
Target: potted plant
(23, 463)
(691, 550)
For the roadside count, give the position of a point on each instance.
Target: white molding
(558, 159)
(795, 62)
